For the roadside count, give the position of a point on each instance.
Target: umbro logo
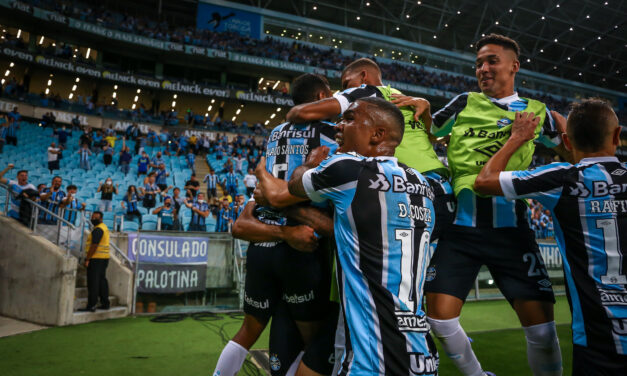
(579, 190)
(544, 283)
(381, 184)
(619, 172)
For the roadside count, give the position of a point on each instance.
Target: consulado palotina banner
(169, 264)
(220, 19)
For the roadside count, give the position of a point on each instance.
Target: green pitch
(137, 346)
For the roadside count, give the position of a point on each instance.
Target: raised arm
(320, 110)
(488, 182)
(6, 169)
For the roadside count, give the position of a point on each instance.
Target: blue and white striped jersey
(52, 204)
(288, 147)
(383, 220)
(588, 202)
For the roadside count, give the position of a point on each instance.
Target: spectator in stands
(48, 120)
(17, 188)
(167, 213)
(71, 205)
(96, 262)
(85, 153)
(224, 218)
(150, 191)
(107, 190)
(161, 178)
(4, 127)
(239, 164)
(212, 182)
(53, 157)
(250, 182)
(191, 159)
(142, 164)
(230, 182)
(85, 138)
(177, 200)
(51, 199)
(200, 211)
(125, 159)
(62, 136)
(15, 115)
(110, 137)
(107, 154)
(11, 133)
(76, 122)
(157, 160)
(131, 200)
(237, 208)
(192, 186)
(228, 165)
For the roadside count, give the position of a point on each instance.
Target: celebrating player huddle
(346, 213)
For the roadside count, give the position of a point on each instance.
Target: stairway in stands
(202, 168)
(80, 302)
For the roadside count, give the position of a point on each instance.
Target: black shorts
(301, 279)
(162, 187)
(53, 165)
(285, 341)
(511, 255)
(320, 354)
(444, 203)
(591, 362)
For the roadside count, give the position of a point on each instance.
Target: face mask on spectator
(95, 222)
(109, 182)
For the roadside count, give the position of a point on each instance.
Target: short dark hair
(363, 62)
(71, 186)
(98, 212)
(589, 124)
(388, 111)
(152, 173)
(501, 40)
(20, 171)
(305, 88)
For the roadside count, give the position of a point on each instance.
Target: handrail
(37, 205)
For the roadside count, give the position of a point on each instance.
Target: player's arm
(249, 228)
(6, 169)
(315, 218)
(560, 127)
(272, 190)
(320, 110)
(523, 130)
(444, 118)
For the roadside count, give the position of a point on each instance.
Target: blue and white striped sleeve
(549, 135)
(335, 178)
(544, 184)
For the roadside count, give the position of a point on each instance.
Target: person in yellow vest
(96, 262)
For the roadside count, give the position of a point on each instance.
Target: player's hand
(316, 156)
(10, 166)
(524, 127)
(301, 238)
(560, 121)
(420, 105)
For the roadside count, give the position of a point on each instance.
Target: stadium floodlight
(49, 82)
(238, 111)
(206, 114)
(209, 108)
(267, 122)
(174, 96)
(233, 119)
(358, 18)
(88, 52)
(47, 91)
(278, 109)
(276, 84)
(115, 87)
(260, 81)
(315, 7)
(139, 91)
(510, 11)
(77, 79)
(114, 94)
(19, 32)
(74, 87)
(8, 72)
(490, 281)
(173, 104)
(272, 116)
(70, 96)
(2, 81)
(136, 98)
(41, 41)
(397, 28)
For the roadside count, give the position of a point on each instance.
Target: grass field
(137, 346)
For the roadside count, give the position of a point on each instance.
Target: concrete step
(81, 280)
(80, 303)
(112, 313)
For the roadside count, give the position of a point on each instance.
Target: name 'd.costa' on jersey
(293, 133)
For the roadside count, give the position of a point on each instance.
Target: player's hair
(363, 62)
(305, 88)
(387, 112)
(99, 213)
(20, 171)
(589, 124)
(71, 186)
(501, 40)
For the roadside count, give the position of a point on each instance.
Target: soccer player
(488, 230)
(588, 201)
(278, 272)
(362, 79)
(383, 221)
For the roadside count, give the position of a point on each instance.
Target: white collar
(599, 159)
(505, 100)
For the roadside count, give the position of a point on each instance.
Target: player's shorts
(320, 354)
(591, 362)
(285, 341)
(511, 255)
(444, 202)
(279, 272)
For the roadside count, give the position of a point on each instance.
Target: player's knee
(444, 328)
(541, 335)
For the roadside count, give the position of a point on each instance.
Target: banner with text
(222, 19)
(167, 249)
(159, 278)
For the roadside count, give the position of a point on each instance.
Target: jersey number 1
(613, 274)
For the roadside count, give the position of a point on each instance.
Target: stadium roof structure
(580, 40)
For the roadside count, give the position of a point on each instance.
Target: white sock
(231, 360)
(456, 345)
(543, 349)
(294, 366)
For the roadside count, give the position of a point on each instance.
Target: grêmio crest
(503, 123)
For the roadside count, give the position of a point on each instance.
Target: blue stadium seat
(130, 226)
